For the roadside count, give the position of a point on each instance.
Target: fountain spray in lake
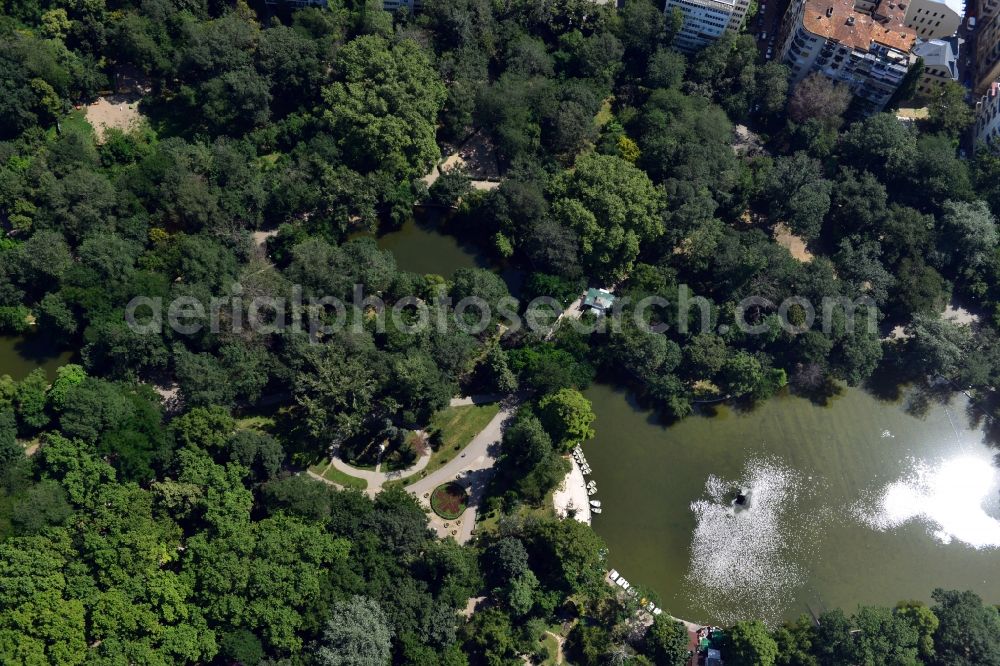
(743, 557)
(950, 496)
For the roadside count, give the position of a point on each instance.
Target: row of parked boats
(620, 581)
(595, 505)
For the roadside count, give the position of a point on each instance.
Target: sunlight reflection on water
(953, 497)
(744, 561)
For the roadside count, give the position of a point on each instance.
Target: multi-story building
(987, 54)
(940, 58)
(392, 5)
(706, 20)
(987, 127)
(933, 19)
(868, 51)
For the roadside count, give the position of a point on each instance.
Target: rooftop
(839, 21)
(599, 299)
(939, 53)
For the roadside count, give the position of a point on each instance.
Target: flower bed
(449, 500)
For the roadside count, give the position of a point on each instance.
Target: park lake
(858, 501)
(22, 354)
(855, 502)
(419, 247)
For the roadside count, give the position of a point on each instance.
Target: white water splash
(949, 496)
(744, 560)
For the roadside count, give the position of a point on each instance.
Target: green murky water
(20, 355)
(420, 248)
(856, 502)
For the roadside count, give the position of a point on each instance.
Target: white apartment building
(940, 58)
(987, 127)
(867, 50)
(933, 19)
(706, 20)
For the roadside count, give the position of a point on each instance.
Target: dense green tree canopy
(384, 106)
(170, 512)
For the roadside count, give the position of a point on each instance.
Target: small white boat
(622, 583)
(591, 483)
(595, 510)
(595, 503)
(591, 491)
(657, 611)
(613, 575)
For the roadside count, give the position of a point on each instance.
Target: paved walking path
(472, 469)
(375, 478)
(477, 154)
(573, 311)
(480, 399)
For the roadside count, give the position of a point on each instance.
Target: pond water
(419, 247)
(20, 355)
(856, 502)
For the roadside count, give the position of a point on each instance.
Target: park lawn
(346, 480)
(76, 121)
(489, 521)
(604, 114)
(458, 425)
(260, 422)
(553, 646)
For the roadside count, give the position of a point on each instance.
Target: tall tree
(567, 415)
(384, 105)
(968, 631)
(357, 634)
(613, 207)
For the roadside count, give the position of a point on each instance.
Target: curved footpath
(376, 478)
(472, 469)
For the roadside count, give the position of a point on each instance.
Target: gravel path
(472, 469)
(376, 478)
